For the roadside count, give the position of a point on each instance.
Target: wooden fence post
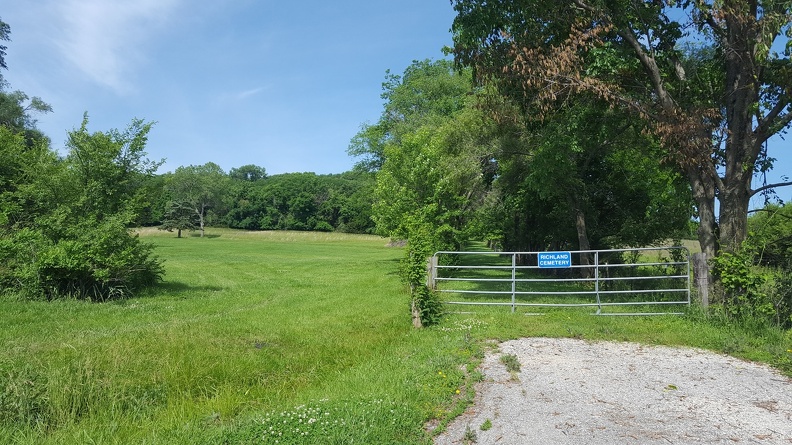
(431, 272)
(701, 276)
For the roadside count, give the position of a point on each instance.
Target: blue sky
(283, 85)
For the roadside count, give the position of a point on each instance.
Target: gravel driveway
(577, 392)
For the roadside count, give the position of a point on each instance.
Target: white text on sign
(555, 259)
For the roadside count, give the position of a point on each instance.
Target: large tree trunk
(734, 201)
(742, 147)
(703, 188)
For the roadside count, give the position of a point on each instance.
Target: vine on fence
(425, 305)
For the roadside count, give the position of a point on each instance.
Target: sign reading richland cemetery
(555, 259)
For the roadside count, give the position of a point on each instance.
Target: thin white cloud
(105, 39)
(233, 97)
(248, 93)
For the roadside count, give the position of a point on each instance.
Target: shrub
(63, 225)
(779, 294)
(742, 285)
(425, 304)
(94, 261)
(769, 231)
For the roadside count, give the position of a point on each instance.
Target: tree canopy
(199, 188)
(706, 77)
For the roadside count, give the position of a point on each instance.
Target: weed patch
(331, 422)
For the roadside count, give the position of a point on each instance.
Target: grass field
(277, 337)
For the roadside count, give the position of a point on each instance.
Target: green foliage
(770, 232)
(779, 292)
(469, 437)
(741, 285)
(64, 231)
(91, 260)
(15, 113)
(5, 31)
(201, 188)
(755, 282)
(770, 241)
(667, 64)
(425, 304)
(427, 93)
(153, 201)
(250, 173)
(511, 362)
(303, 201)
(179, 216)
(431, 158)
(587, 177)
(105, 171)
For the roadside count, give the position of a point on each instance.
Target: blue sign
(555, 259)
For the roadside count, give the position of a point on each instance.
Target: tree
(64, 230)
(5, 32)
(430, 157)
(771, 235)
(303, 201)
(108, 169)
(714, 121)
(200, 187)
(15, 113)
(250, 172)
(21, 166)
(430, 180)
(179, 216)
(427, 91)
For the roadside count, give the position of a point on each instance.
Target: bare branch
(651, 68)
(772, 120)
(769, 186)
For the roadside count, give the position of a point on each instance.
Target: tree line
(195, 196)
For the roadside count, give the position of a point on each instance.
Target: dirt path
(576, 392)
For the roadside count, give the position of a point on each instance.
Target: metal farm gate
(645, 281)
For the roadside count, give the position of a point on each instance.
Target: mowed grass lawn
(275, 337)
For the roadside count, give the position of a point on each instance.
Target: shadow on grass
(176, 288)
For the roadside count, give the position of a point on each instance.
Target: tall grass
(288, 336)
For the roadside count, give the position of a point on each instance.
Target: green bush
(756, 282)
(425, 304)
(742, 286)
(779, 293)
(769, 232)
(95, 261)
(64, 222)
